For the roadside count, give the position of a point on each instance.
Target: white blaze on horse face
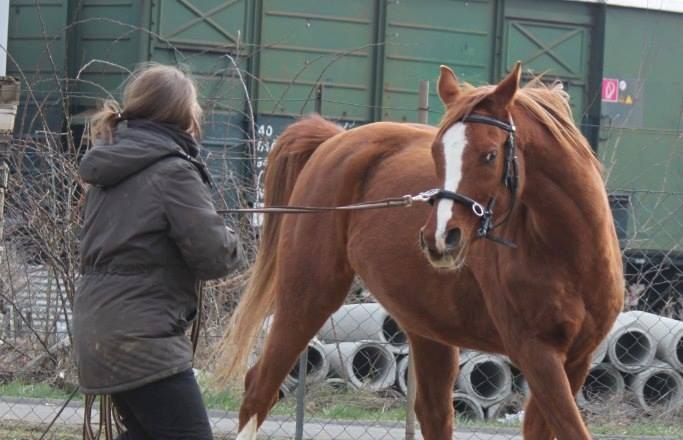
(454, 142)
(249, 431)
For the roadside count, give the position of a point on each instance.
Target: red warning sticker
(610, 90)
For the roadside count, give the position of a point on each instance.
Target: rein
(510, 181)
(391, 202)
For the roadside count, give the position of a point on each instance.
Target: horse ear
(448, 87)
(506, 89)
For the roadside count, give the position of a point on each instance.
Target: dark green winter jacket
(150, 234)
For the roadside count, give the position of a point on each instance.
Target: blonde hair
(155, 92)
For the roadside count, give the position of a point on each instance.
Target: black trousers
(171, 408)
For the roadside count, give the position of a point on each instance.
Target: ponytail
(102, 124)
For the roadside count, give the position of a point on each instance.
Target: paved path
(41, 412)
(34, 411)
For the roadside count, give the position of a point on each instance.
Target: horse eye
(490, 156)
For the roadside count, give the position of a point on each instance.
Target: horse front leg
(552, 408)
(436, 366)
(535, 425)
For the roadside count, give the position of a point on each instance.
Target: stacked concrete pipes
(359, 335)
(485, 388)
(317, 367)
(361, 342)
(356, 349)
(641, 360)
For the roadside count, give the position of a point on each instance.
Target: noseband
(510, 181)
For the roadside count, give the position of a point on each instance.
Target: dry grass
(26, 431)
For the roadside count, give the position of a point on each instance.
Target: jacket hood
(132, 150)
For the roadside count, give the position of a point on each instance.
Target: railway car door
(554, 41)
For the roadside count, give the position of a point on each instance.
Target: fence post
(423, 107)
(422, 118)
(303, 359)
(300, 395)
(412, 391)
(9, 100)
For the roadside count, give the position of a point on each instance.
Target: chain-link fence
(356, 374)
(357, 371)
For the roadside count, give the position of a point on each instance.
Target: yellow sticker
(628, 100)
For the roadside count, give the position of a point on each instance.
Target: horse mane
(549, 105)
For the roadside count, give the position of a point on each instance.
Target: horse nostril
(423, 242)
(453, 237)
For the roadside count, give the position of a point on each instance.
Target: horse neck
(564, 200)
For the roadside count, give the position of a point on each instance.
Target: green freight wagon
(641, 146)
(620, 60)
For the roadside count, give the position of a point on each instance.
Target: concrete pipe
(659, 389)
(487, 378)
(668, 333)
(285, 390)
(467, 407)
(260, 341)
(630, 348)
(512, 404)
(604, 385)
(600, 352)
(466, 354)
(364, 322)
(317, 366)
(402, 374)
(403, 361)
(265, 331)
(364, 365)
(519, 383)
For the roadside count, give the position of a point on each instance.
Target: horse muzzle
(442, 252)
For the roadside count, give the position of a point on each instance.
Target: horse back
(342, 166)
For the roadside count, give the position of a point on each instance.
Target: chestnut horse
(547, 302)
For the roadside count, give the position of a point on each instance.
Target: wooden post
(423, 107)
(319, 99)
(9, 101)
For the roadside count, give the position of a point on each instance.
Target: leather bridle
(510, 181)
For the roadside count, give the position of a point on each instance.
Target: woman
(150, 234)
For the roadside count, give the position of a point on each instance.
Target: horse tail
(291, 153)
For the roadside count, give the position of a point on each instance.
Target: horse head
(477, 168)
